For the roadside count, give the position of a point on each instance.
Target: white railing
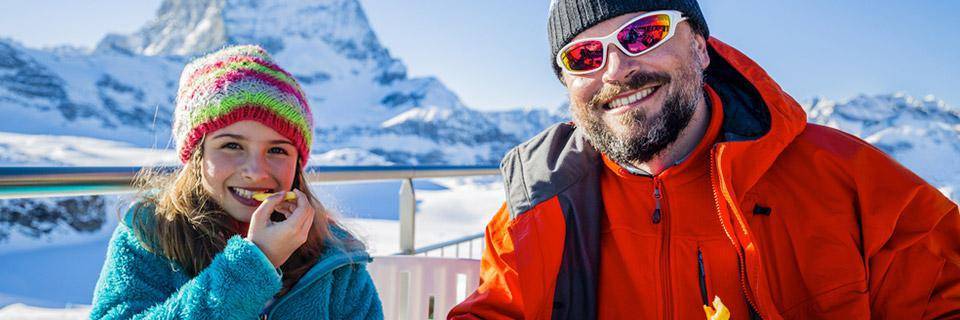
(36, 182)
(459, 248)
(413, 288)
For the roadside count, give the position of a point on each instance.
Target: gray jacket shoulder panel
(546, 165)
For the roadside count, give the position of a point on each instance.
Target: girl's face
(243, 158)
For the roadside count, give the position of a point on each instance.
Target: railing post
(408, 206)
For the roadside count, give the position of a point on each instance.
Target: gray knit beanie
(568, 18)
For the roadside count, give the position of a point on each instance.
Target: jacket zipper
(741, 260)
(656, 199)
(703, 278)
(658, 194)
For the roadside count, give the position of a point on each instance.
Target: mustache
(636, 81)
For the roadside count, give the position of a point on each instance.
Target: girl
(199, 245)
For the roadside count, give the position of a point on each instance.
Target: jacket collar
(760, 119)
(333, 257)
(347, 251)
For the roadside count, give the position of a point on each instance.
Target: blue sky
(494, 53)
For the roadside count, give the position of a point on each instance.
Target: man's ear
(700, 50)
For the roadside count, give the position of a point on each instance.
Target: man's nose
(618, 67)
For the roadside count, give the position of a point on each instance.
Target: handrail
(374, 173)
(449, 243)
(35, 182)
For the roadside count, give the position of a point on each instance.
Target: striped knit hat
(236, 84)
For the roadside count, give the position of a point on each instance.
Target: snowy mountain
(361, 96)
(107, 96)
(527, 122)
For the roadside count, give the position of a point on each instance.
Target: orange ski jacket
(848, 233)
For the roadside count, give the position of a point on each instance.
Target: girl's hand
(278, 240)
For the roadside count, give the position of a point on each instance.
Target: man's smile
(630, 99)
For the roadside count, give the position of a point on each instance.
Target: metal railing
(454, 245)
(36, 182)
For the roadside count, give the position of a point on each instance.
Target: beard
(645, 136)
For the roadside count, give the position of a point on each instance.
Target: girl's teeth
(244, 192)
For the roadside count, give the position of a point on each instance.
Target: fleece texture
(239, 283)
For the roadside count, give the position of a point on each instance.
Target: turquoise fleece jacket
(239, 283)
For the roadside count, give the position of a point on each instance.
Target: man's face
(634, 107)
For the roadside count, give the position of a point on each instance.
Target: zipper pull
(656, 199)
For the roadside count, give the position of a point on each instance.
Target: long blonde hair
(185, 225)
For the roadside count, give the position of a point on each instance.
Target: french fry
(260, 196)
(718, 311)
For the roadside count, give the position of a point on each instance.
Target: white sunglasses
(638, 36)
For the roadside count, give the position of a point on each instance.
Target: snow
(38, 150)
(462, 209)
(85, 81)
(349, 157)
(418, 114)
(21, 311)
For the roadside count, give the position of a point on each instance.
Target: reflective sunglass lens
(583, 56)
(644, 33)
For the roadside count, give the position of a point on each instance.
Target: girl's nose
(254, 168)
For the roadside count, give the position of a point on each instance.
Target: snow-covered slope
(18, 149)
(107, 96)
(527, 122)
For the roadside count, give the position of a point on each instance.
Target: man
(689, 176)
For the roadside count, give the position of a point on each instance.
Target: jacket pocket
(702, 278)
